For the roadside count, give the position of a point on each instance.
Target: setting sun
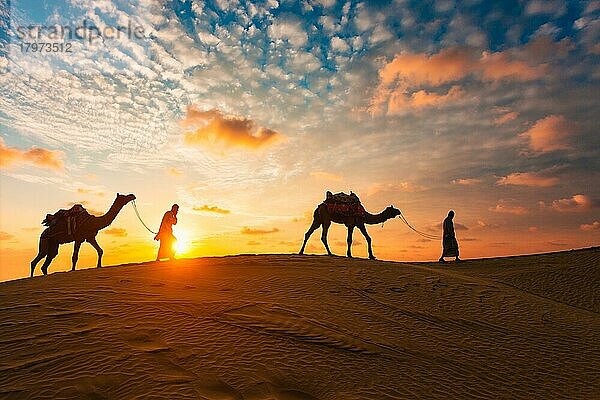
(182, 245)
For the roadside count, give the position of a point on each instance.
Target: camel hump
(341, 198)
(74, 211)
(344, 204)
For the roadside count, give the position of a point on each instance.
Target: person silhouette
(165, 234)
(449, 243)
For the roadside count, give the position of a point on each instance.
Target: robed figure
(449, 243)
(165, 235)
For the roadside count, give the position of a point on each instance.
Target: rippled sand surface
(289, 327)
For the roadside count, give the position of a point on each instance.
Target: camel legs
(95, 244)
(313, 227)
(42, 252)
(37, 260)
(349, 240)
(75, 254)
(326, 226)
(52, 252)
(363, 230)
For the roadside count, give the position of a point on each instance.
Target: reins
(140, 218)
(425, 235)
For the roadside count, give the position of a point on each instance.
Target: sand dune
(306, 327)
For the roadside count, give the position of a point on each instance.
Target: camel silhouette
(323, 217)
(51, 239)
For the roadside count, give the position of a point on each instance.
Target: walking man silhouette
(165, 234)
(449, 243)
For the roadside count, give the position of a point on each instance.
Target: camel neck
(372, 219)
(107, 219)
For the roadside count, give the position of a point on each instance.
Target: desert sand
(306, 327)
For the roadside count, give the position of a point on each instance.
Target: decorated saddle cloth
(65, 221)
(344, 204)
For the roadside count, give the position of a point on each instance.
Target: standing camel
(50, 240)
(323, 217)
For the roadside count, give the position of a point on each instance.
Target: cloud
(485, 225)
(554, 243)
(528, 179)
(174, 172)
(549, 134)
(576, 203)
(401, 81)
(457, 226)
(553, 7)
(502, 66)
(377, 188)
(327, 176)
(289, 29)
(118, 232)
(90, 191)
(590, 227)
(212, 127)
(37, 156)
(6, 236)
(325, 3)
(339, 45)
(212, 209)
(422, 99)
(466, 181)
(252, 231)
(507, 207)
(506, 117)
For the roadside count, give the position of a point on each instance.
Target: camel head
(392, 212)
(123, 199)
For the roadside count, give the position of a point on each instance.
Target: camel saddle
(344, 204)
(66, 221)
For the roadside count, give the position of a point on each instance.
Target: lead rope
(140, 218)
(425, 235)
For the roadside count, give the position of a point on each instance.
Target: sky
(246, 113)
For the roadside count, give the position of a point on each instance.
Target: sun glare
(182, 245)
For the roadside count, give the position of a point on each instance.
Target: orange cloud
(37, 156)
(401, 81)
(212, 209)
(549, 134)
(393, 187)
(505, 118)
(466, 181)
(528, 179)
(6, 236)
(590, 227)
(90, 191)
(576, 203)
(119, 232)
(422, 69)
(506, 207)
(423, 98)
(502, 66)
(212, 128)
(326, 176)
(251, 231)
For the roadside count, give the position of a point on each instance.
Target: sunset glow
(183, 244)
(246, 113)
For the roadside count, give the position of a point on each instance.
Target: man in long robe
(165, 234)
(449, 243)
